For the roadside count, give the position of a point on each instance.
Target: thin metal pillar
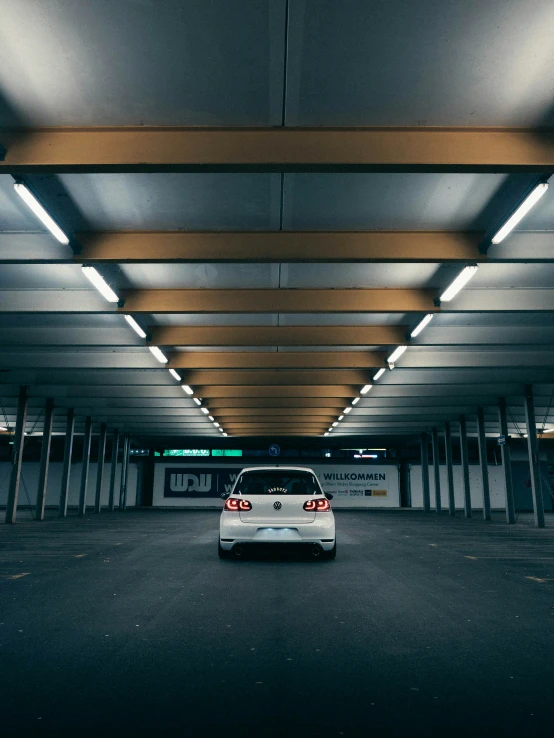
(44, 458)
(534, 461)
(100, 468)
(483, 463)
(68, 449)
(507, 463)
(424, 444)
(449, 469)
(124, 472)
(436, 469)
(465, 466)
(115, 449)
(18, 444)
(85, 465)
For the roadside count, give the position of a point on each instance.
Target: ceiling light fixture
(356, 400)
(205, 410)
(461, 280)
(378, 375)
(326, 434)
(365, 389)
(396, 354)
(31, 201)
(421, 325)
(335, 423)
(100, 283)
(135, 326)
(329, 430)
(347, 410)
(197, 400)
(216, 424)
(211, 417)
(340, 418)
(187, 389)
(548, 430)
(175, 375)
(532, 198)
(160, 356)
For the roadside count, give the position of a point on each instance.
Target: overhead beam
(277, 378)
(149, 149)
(276, 360)
(279, 246)
(277, 335)
(280, 301)
(343, 391)
(207, 301)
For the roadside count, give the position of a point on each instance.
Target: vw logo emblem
(277, 505)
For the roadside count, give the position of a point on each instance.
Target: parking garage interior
(285, 233)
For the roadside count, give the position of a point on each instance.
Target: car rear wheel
(332, 554)
(222, 553)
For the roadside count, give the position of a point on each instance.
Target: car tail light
(235, 505)
(319, 505)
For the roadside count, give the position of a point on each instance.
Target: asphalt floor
(128, 624)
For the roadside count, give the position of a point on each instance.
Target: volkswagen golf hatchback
(277, 505)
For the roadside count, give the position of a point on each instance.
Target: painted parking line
(15, 576)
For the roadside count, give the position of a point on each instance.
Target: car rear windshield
(278, 483)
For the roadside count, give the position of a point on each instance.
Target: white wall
(496, 485)
(348, 493)
(30, 474)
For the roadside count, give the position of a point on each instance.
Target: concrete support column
(17, 457)
(483, 463)
(85, 465)
(115, 449)
(424, 445)
(436, 469)
(465, 466)
(68, 450)
(507, 463)
(100, 468)
(124, 472)
(44, 458)
(534, 461)
(449, 469)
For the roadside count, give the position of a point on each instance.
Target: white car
(277, 505)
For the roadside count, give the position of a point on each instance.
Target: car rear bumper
(321, 532)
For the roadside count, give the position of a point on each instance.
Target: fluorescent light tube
(421, 325)
(135, 326)
(396, 354)
(340, 418)
(326, 434)
(211, 417)
(158, 354)
(224, 434)
(175, 375)
(379, 374)
(330, 429)
(187, 389)
(99, 282)
(461, 280)
(356, 400)
(547, 430)
(205, 410)
(197, 400)
(531, 199)
(5, 429)
(31, 201)
(365, 389)
(216, 424)
(347, 410)
(335, 423)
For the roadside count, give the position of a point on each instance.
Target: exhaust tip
(237, 551)
(316, 551)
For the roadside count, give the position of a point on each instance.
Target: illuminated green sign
(226, 452)
(186, 452)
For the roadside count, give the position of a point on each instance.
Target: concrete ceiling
(225, 64)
